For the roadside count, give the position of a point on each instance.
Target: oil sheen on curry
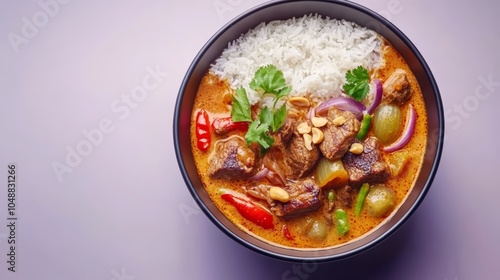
(304, 173)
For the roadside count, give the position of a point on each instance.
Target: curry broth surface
(212, 96)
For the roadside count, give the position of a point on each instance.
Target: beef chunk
(338, 138)
(288, 156)
(397, 89)
(232, 159)
(298, 158)
(369, 166)
(305, 197)
(284, 134)
(343, 198)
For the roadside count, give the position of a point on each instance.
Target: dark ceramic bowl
(281, 10)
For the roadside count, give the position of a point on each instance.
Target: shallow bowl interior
(281, 10)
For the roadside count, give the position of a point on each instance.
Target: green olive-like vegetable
(380, 200)
(318, 230)
(387, 123)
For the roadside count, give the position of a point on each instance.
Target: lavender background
(124, 213)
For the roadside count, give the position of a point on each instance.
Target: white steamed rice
(313, 52)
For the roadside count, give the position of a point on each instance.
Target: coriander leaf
(240, 109)
(266, 141)
(268, 79)
(266, 116)
(357, 74)
(284, 91)
(357, 85)
(257, 133)
(279, 118)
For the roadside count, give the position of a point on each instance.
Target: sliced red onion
(311, 114)
(342, 103)
(377, 98)
(408, 131)
(260, 174)
(274, 170)
(275, 178)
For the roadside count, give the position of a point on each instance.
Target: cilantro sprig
(268, 80)
(358, 83)
(240, 109)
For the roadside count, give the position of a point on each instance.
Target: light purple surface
(124, 211)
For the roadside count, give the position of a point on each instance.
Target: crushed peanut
(279, 194)
(293, 114)
(356, 148)
(308, 141)
(318, 121)
(317, 135)
(303, 128)
(338, 121)
(299, 101)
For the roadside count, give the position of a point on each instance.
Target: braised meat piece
(369, 166)
(338, 137)
(343, 198)
(232, 159)
(298, 158)
(397, 89)
(283, 135)
(305, 197)
(288, 156)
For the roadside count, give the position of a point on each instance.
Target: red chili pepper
(203, 130)
(286, 233)
(224, 125)
(250, 211)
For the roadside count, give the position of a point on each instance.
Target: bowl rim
(418, 200)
